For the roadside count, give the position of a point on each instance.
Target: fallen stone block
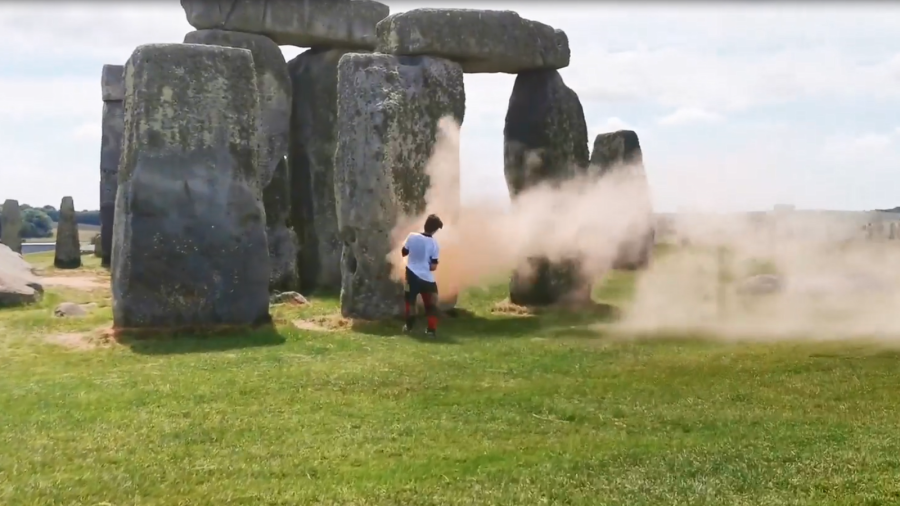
(305, 23)
(189, 242)
(68, 245)
(18, 283)
(388, 111)
(482, 41)
(545, 141)
(311, 161)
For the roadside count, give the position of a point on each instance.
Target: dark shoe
(431, 333)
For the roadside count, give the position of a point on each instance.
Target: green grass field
(513, 410)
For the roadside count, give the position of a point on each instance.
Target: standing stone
(11, 225)
(311, 161)
(274, 84)
(98, 247)
(274, 91)
(68, 246)
(545, 140)
(388, 109)
(112, 83)
(892, 233)
(280, 234)
(304, 23)
(482, 41)
(113, 127)
(189, 244)
(620, 153)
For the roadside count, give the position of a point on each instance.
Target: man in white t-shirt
(422, 253)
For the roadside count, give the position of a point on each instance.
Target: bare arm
(434, 257)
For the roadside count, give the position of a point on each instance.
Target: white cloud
(687, 116)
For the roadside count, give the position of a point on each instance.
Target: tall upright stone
(280, 236)
(311, 161)
(112, 87)
(189, 244)
(274, 84)
(388, 110)
(545, 141)
(618, 155)
(68, 246)
(11, 225)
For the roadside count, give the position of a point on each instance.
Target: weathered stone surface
(112, 83)
(482, 41)
(274, 132)
(311, 160)
(98, 246)
(620, 152)
(68, 247)
(189, 243)
(11, 225)
(112, 129)
(70, 310)
(274, 85)
(892, 234)
(388, 109)
(545, 140)
(18, 283)
(281, 238)
(304, 23)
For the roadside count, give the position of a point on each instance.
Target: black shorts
(416, 286)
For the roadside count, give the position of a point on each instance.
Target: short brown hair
(433, 224)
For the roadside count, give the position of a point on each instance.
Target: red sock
(432, 323)
(406, 309)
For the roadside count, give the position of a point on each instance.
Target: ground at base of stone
(72, 264)
(324, 324)
(128, 335)
(505, 307)
(82, 341)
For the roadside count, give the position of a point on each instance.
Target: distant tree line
(37, 222)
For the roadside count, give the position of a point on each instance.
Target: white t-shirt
(422, 250)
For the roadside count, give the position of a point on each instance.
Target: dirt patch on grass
(505, 307)
(324, 324)
(80, 282)
(82, 341)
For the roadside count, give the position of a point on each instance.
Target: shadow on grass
(550, 323)
(185, 342)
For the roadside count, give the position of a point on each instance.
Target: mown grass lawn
(502, 410)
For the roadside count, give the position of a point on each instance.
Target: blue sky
(737, 106)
